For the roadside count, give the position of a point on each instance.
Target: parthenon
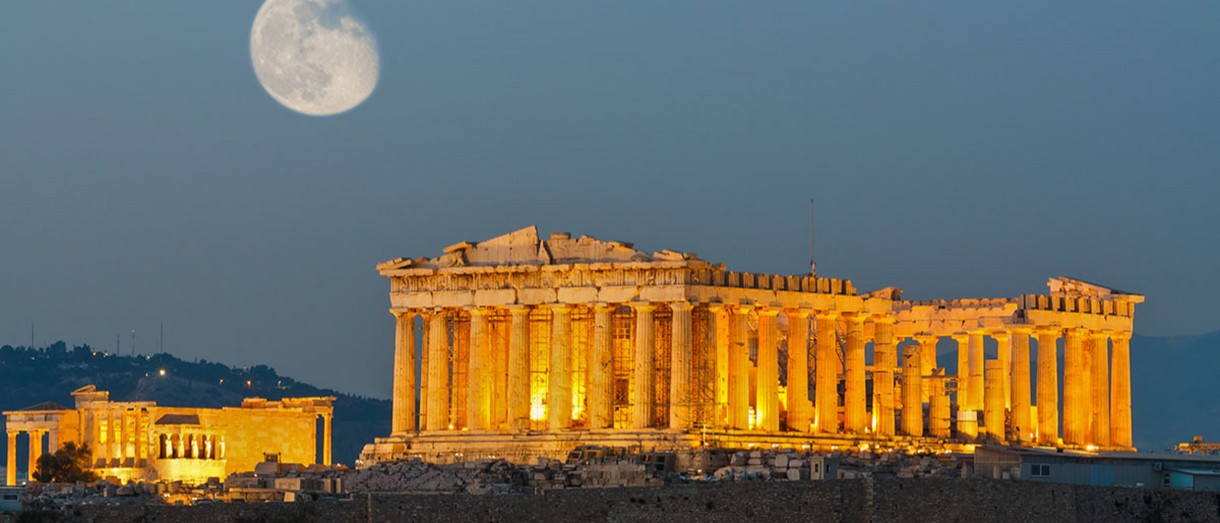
(532, 346)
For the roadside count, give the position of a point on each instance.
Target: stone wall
(844, 500)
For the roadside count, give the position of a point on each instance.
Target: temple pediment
(1076, 288)
(526, 247)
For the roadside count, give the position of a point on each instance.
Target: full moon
(312, 56)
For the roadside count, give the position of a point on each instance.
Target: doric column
(425, 367)
(113, 441)
(912, 390)
(1075, 400)
(642, 379)
(718, 337)
(124, 438)
(1003, 343)
(519, 368)
(885, 363)
(855, 397)
(559, 384)
(497, 333)
(977, 384)
(1120, 391)
(1048, 386)
(35, 452)
(938, 409)
(1099, 387)
(478, 375)
(10, 477)
(600, 392)
(326, 438)
(680, 354)
(825, 379)
(962, 376)
(800, 409)
(404, 373)
(99, 450)
(1022, 423)
(739, 371)
(927, 362)
(993, 400)
(767, 393)
(438, 371)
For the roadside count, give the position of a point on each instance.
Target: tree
(69, 464)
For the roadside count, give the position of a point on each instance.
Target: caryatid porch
(580, 340)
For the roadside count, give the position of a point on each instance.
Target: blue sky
(955, 149)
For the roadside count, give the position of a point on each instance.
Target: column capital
(715, 306)
(883, 319)
(764, 310)
(603, 306)
(517, 309)
(855, 317)
(399, 313)
(1102, 335)
(1079, 332)
(475, 310)
(1120, 336)
(1047, 330)
(826, 315)
(1000, 335)
(921, 338)
(1020, 329)
(681, 305)
(978, 332)
(960, 338)
(798, 312)
(642, 306)
(558, 307)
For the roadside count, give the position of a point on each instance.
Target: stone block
(495, 297)
(536, 296)
(578, 295)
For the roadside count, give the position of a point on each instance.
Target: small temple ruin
(140, 440)
(531, 347)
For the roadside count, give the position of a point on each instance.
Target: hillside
(32, 376)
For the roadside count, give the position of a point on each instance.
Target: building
(140, 440)
(1099, 468)
(532, 346)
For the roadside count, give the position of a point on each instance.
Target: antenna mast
(813, 267)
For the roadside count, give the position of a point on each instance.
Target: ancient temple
(140, 440)
(530, 347)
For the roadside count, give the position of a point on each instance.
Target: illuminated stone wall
(141, 440)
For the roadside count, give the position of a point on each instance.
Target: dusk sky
(954, 149)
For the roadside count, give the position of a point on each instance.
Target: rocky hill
(32, 376)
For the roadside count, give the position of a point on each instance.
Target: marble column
(977, 384)
(403, 405)
(962, 375)
(885, 364)
(1075, 420)
(642, 379)
(559, 381)
(1003, 343)
(35, 452)
(478, 376)
(739, 370)
(938, 409)
(10, 477)
(912, 391)
(519, 368)
(1048, 386)
(327, 421)
(993, 400)
(800, 409)
(927, 362)
(767, 393)
(826, 380)
(124, 438)
(438, 371)
(424, 366)
(1022, 423)
(112, 442)
(718, 334)
(855, 396)
(1120, 391)
(680, 355)
(601, 370)
(1099, 387)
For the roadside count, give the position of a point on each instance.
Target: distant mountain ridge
(32, 376)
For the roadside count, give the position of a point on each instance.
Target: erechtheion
(532, 346)
(140, 440)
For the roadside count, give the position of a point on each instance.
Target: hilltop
(29, 376)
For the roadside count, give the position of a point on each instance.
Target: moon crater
(312, 56)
